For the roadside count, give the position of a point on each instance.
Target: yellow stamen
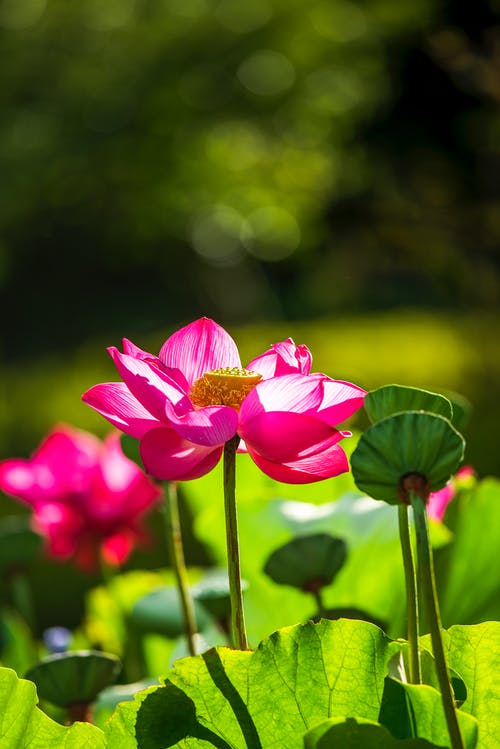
(223, 387)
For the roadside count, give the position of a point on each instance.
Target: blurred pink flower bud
(438, 501)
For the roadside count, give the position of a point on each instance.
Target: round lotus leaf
(392, 399)
(76, 677)
(307, 562)
(213, 592)
(160, 612)
(19, 543)
(406, 443)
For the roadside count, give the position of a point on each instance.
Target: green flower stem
(411, 594)
(238, 631)
(428, 591)
(176, 551)
(319, 602)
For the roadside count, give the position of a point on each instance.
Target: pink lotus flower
(87, 497)
(187, 402)
(439, 501)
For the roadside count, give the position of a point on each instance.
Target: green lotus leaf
(399, 669)
(474, 652)
(296, 678)
(68, 678)
(24, 726)
(19, 543)
(357, 733)
(160, 612)
(392, 399)
(307, 562)
(410, 442)
(416, 710)
(212, 591)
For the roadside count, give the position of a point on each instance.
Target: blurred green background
(322, 169)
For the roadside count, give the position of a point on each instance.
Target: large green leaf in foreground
(416, 711)
(271, 697)
(24, 726)
(474, 653)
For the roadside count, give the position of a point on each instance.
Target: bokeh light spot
(266, 73)
(189, 9)
(333, 90)
(105, 16)
(236, 144)
(243, 17)
(338, 21)
(271, 233)
(21, 14)
(215, 235)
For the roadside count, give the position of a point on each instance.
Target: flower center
(223, 387)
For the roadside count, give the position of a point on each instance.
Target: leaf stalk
(411, 595)
(429, 595)
(176, 551)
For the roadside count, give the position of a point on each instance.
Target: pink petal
(169, 457)
(198, 348)
(173, 374)
(147, 383)
(115, 402)
(120, 491)
(61, 525)
(304, 358)
(131, 349)
(295, 392)
(209, 426)
(282, 358)
(20, 479)
(61, 464)
(116, 549)
(323, 465)
(66, 451)
(117, 471)
(340, 400)
(438, 501)
(284, 436)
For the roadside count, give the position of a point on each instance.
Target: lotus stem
(319, 602)
(428, 590)
(79, 712)
(411, 595)
(174, 538)
(239, 635)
